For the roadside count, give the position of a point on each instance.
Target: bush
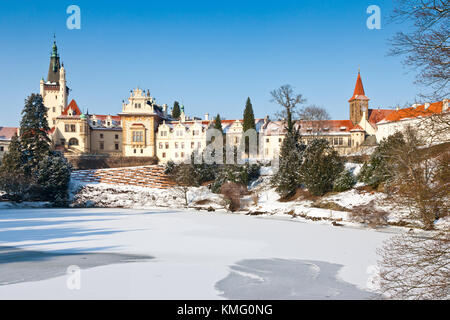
(345, 181)
(321, 167)
(233, 192)
(234, 173)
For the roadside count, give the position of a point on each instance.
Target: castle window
(176, 154)
(160, 145)
(2, 148)
(167, 145)
(182, 145)
(176, 145)
(54, 109)
(336, 141)
(179, 133)
(70, 128)
(163, 133)
(73, 142)
(117, 136)
(349, 142)
(192, 145)
(341, 141)
(102, 146)
(138, 136)
(142, 150)
(116, 146)
(164, 155)
(195, 132)
(182, 154)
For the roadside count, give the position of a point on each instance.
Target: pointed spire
(55, 66)
(359, 92)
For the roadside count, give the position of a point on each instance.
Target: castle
(145, 129)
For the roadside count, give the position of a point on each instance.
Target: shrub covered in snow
(241, 174)
(345, 181)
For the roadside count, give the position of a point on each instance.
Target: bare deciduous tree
(419, 177)
(426, 47)
(415, 268)
(315, 117)
(289, 101)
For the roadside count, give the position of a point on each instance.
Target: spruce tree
(176, 111)
(12, 177)
(34, 130)
(321, 166)
(288, 178)
(218, 123)
(12, 160)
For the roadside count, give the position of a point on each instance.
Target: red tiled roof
(376, 115)
(359, 90)
(105, 117)
(72, 105)
(357, 128)
(6, 133)
(332, 125)
(419, 111)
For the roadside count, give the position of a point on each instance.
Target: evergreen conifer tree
(321, 166)
(176, 111)
(34, 130)
(249, 117)
(218, 123)
(249, 123)
(288, 179)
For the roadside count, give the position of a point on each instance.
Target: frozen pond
(169, 254)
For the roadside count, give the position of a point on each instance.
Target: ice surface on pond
(283, 279)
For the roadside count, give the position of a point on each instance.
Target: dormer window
(164, 133)
(343, 128)
(137, 105)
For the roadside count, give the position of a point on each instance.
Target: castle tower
(54, 91)
(359, 103)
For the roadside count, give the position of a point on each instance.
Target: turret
(358, 102)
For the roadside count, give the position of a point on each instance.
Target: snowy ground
(169, 254)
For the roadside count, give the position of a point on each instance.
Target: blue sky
(211, 55)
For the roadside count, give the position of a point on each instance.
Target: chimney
(445, 105)
(207, 116)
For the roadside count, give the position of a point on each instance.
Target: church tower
(54, 91)
(359, 103)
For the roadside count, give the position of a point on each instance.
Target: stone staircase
(148, 176)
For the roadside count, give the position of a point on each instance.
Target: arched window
(73, 142)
